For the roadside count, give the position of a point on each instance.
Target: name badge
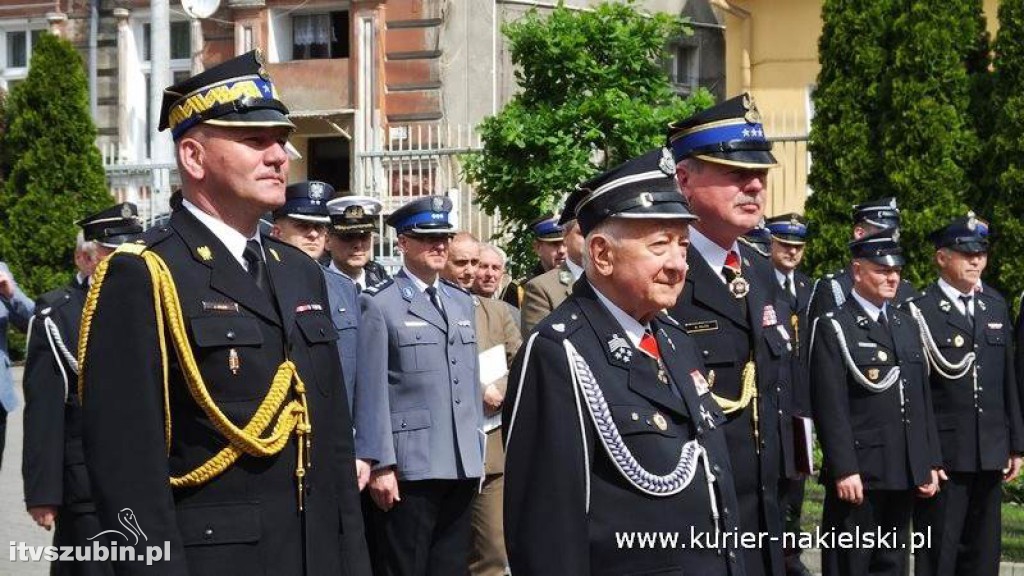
(220, 306)
(414, 323)
(704, 326)
(867, 345)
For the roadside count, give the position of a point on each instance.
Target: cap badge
(437, 204)
(646, 200)
(667, 164)
(620, 348)
(972, 221)
(205, 253)
(316, 190)
(896, 235)
(354, 212)
(126, 211)
(752, 115)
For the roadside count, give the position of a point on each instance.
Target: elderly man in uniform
(977, 406)
(354, 219)
(53, 467)
(418, 410)
(728, 304)
(209, 370)
(495, 327)
(544, 293)
(302, 220)
(610, 427)
(788, 235)
(832, 290)
(872, 408)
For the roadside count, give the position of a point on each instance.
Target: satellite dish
(200, 9)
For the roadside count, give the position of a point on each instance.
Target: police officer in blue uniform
(831, 290)
(213, 417)
(977, 405)
(872, 408)
(609, 423)
(787, 237)
(53, 467)
(729, 305)
(418, 405)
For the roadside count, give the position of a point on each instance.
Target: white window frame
(28, 26)
(684, 86)
(279, 40)
(137, 25)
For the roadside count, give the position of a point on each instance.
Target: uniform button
(455, 361)
(404, 424)
(716, 468)
(455, 381)
(980, 410)
(700, 430)
(419, 336)
(458, 401)
(725, 511)
(208, 533)
(706, 353)
(451, 340)
(780, 412)
(980, 388)
(732, 556)
(230, 335)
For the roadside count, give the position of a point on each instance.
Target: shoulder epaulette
(757, 249)
(376, 288)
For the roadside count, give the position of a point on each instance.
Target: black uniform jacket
(53, 465)
(728, 332)
(892, 447)
(246, 520)
(979, 426)
(556, 464)
(823, 293)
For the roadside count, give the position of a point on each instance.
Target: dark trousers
(887, 510)
(74, 528)
(427, 533)
(791, 502)
(965, 519)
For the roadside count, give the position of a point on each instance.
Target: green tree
(851, 94)
(1004, 159)
(593, 94)
(892, 119)
(56, 172)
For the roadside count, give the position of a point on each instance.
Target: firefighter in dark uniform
(873, 412)
(831, 290)
(213, 419)
(788, 235)
(609, 423)
(53, 467)
(977, 406)
(729, 304)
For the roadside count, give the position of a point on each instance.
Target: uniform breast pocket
(420, 349)
(717, 348)
(777, 339)
(320, 335)
(228, 351)
(870, 447)
(222, 535)
(316, 328)
(995, 336)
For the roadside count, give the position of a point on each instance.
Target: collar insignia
(620, 348)
(205, 253)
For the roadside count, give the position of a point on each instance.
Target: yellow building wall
(772, 52)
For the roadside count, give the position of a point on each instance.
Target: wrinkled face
(962, 270)
(725, 197)
(244, 165)
(463, 260)
(786, 257)
(875, 282)
(424, 255)
(350, 251)
(310, 237)
(644, 261)
(551, 254)
(488, 273)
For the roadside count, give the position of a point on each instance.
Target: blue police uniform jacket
(18, 309)
(343, 295)
(418, 405)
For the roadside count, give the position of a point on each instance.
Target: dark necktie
(253, 255)
(883, 320)
(432, 292)
(787, 285)
(967, 309)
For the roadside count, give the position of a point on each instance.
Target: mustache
(746, 199)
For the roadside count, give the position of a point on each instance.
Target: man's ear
(602, 254)
(192, 157)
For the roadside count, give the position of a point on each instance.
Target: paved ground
(16, 525)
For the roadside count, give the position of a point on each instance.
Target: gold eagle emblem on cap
(752, 115)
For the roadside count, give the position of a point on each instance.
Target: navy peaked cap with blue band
(236, 93)
(424, 216)
(547, 228)
(306, 201)
(967, 234)
(112, 226)
(728, 133)
(883, 213)
(641, 188)
(761, 238)
(883, 248)
(788, 228)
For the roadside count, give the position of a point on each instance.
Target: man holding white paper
(498, 340)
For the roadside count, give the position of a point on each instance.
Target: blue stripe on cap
(546, 227)
(684, 145)
(421, 218)
(788, 228)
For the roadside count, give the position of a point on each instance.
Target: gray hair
(501, 253)
(610, 228)
(81, 245)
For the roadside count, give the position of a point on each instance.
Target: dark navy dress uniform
(582, 467)
(358, 215)
(257, 515)
(873, 421)
(977, 413)
(730, 331)
(832, 290)
(53, 464)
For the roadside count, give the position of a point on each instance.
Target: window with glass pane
(17, 51)
(181, 41)
(320, 36)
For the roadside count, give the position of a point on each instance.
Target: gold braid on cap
(252, 439)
